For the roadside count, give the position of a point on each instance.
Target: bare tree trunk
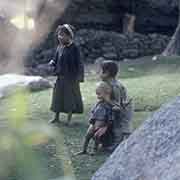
(173, 48)
(129, 23)
(41, 8)
(130, 18)
(46, 14)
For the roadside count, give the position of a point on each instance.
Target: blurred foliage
(19, 139)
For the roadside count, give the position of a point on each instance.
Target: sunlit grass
(149, 92)
(147, 67)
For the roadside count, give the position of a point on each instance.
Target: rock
(151, 15)
(110, 55)
(151, 152)
(42, 70)
(117, 46)
(9, 82)
(131, 53)
(47, 55)
(39, 85)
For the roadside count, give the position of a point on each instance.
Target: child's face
(101, 94)
(63, 38)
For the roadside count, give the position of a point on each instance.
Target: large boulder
(151, 152)
(9, 82)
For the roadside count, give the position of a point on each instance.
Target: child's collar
(69, 44)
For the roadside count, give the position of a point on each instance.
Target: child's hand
(51, 62)
(116, 108)
(124, 104)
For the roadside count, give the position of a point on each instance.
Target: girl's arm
(53, 61)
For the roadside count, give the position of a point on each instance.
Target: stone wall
(116, 46)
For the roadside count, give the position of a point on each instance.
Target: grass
(149, 83)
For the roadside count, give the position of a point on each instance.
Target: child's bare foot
(52, 121)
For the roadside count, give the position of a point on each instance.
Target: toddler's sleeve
(98, 113)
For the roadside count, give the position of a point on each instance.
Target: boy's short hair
(110, 67)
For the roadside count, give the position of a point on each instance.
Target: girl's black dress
(70, 72)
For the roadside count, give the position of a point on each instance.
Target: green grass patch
(146, 66)
(149, 83)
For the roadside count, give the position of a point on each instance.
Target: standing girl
(70, 72)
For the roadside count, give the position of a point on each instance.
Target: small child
(100, 119)
(121, 124)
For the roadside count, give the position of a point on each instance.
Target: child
(100, 119)
(69, 71)
(109, 70)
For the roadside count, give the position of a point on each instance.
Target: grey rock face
(152, 152)
(151, 15)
